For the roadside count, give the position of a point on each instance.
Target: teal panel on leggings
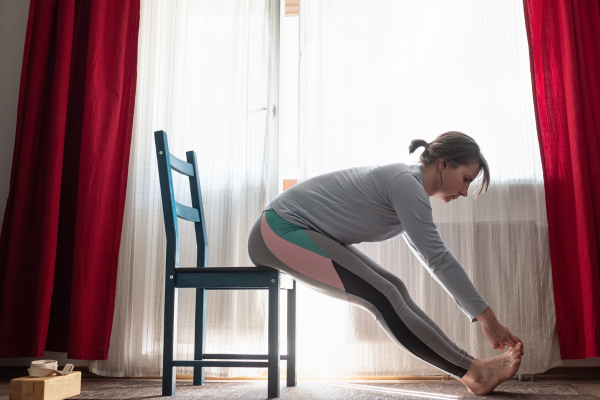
(292, 233)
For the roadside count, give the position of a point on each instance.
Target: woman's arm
(412, 206)
(411, 203)
(498, 335)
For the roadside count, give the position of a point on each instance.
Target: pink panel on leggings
(304, 261)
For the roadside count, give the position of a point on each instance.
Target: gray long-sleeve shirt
(371, 204)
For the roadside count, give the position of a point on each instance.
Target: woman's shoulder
(395, 170)
(400, 167)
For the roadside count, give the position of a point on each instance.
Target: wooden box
(50, 388)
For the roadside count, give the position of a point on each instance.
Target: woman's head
(461, 154)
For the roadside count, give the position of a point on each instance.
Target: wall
(13, 24)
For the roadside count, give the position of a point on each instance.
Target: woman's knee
(384, 273)
(401, 288)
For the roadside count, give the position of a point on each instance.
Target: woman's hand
(498, 335)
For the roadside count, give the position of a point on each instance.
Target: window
(288, 132)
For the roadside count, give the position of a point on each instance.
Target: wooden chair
(204, 278)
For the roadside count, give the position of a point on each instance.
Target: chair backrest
(172, 209)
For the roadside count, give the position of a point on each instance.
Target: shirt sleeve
(411, 203)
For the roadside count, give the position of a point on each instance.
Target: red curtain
(62, 225)
(564, 44)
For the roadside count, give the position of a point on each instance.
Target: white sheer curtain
(203, 77)
(375, 74)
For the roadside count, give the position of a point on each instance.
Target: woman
(309, 231)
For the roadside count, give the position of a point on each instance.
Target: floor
(320, 390)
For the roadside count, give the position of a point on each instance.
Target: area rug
(316, 390)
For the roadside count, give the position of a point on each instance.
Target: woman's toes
(517, 352)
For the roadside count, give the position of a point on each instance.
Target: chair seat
(208, 270)
(216, 277)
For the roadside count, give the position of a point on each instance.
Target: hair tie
(426, 144)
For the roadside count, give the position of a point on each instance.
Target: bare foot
(484, 375)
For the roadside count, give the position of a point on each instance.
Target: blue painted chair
(214, 278)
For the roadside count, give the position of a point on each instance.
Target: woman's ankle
(473, 373)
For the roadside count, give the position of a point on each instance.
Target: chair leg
(291, 336)
(273, 358)
(200, 334)
(170, 339)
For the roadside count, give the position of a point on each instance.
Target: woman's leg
(322, 263)
(396, 281)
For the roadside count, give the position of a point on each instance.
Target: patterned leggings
(344, 272)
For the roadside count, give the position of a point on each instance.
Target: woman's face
(454, 182)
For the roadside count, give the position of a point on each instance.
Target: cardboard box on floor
(50, 388)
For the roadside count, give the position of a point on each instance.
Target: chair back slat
(196, 192)
(187, 213)
(181, 166)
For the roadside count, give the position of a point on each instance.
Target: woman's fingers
(516, 340)
(510, 342)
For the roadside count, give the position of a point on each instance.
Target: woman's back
(357, 204)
